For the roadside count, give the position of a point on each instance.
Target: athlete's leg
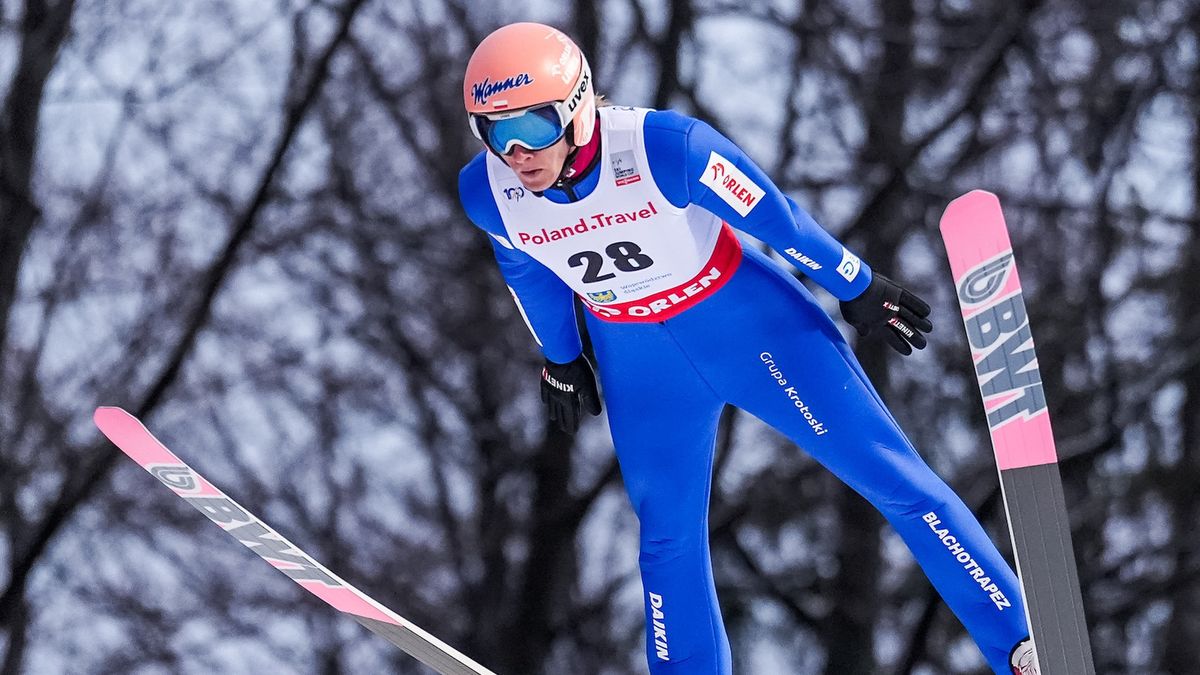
(779, 356)
(664, 421)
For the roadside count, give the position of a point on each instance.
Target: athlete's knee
(663, 547)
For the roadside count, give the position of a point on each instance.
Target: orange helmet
(528, 84)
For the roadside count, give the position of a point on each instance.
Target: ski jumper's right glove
(568, 388)
(885, 303)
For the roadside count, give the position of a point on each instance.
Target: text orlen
(730, 184)
(738, 190)
(664, 303)
(965, 558)
(657, 618)
(592, 222)
(818, 426)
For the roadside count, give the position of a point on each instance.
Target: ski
(131, 436)
(993, 310)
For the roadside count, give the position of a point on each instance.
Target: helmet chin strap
(568, 166)
(580, 159)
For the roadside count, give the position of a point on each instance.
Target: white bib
(624, 249)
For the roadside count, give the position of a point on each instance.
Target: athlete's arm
(546, 303)
(746, 199)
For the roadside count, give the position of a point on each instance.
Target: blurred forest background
(239, 219)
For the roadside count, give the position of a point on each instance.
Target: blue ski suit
(672, 351)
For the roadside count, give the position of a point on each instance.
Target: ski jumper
(684, 320)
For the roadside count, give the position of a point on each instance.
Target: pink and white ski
(993, 309)
(132, 437)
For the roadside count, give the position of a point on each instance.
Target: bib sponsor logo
(964, 558)
(730, 184)
(625, 169)
(482, 91)
(514, 193)
(664, 302)
(677, 296)
(584, 225)
(849, 266)
(602, 296)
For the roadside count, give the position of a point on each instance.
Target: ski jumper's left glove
(885, 303)
(568, 388)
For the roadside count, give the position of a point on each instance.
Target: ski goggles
(535, 128)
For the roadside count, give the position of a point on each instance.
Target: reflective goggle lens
(535, 129)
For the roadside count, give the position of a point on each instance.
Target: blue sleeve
(546, 303)
(674, 141)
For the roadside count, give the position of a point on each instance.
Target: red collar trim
(584, 156)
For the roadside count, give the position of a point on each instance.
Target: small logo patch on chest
(625, 169)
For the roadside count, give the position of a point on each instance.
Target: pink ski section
(135, 440)
(974, 230)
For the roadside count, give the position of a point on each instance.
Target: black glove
(568, 387)
(886, 303)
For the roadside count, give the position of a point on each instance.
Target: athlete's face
(538, 169)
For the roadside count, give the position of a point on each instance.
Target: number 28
(626, 256)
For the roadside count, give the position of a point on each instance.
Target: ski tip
(977, 193)
(969, 207)
(108, 410)
(107, 415)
